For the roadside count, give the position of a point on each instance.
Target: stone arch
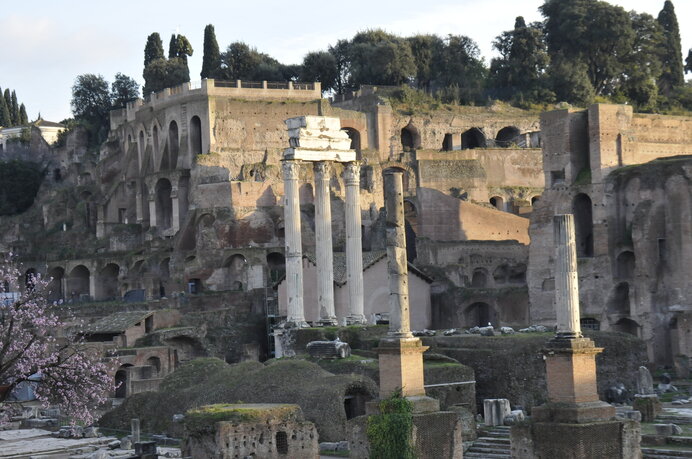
(107, 285)
(78, 283)
(448, 142)
(164, 204)
(507, 136)
(625, 265)
(479, 278)
(619, 301)
(155, 140)
(169, 159)
(535, 199)
(498, 202)
(195, 135)
(145, 202)
(473, 138)
(410, 137)
(141, 146)
(479, 314)
(276, 263)
(583, 223)
(235, 269)
(122, 377)
(355, 399)
(56, 277)
(354, 135)
(155, 364)
(625, 325)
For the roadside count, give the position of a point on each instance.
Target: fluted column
(397, 265)
(323, 239)
(354, 244)
(294, 250)
(566, 278)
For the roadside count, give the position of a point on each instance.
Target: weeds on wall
(389, 433)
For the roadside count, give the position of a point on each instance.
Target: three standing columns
(324, 247)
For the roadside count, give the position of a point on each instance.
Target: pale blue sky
(46, 44)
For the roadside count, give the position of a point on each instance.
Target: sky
(47, 43)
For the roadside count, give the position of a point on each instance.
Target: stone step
(495, 440)
(488, 450)
(482, 444)
(469, 454)
(664, 452)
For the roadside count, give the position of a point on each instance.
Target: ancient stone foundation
(249, 430)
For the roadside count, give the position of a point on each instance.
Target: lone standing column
(323, 236)
(354, 244)
(566, 278)
(294, 249)
(397, 265)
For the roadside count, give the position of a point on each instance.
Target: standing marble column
(354, 244)
(397, 265)
(294, 250)
(324, 249)
(566, 278)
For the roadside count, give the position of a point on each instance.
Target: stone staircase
(492, 443)
(676, 447)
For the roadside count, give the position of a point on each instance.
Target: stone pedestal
(401, 366)
(648, 405)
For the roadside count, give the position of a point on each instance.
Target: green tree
(19, 183)
(671, 51)
(211, 62)
(14, 109)
(91, 105)
(643, 64)
(340, 51)
(378, 57)
(123, 90)
(320, 66)
(424, 49)
(688, 62)
(460, 71)
(569, 79)
(165, 73)
(8, 103)
(179, 47)
(5, 117)
(520, 71)
(23, 118)
(153, 49)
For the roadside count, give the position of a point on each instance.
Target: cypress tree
(688, 62)
(671, 52)
(23, 118)
(211, 61)
(173, 47)
(14, 111)
(5, 117)
(153, 49)
(8, 102)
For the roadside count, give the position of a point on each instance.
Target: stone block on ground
(648, 405)
(495, 410)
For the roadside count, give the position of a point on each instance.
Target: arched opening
(121, 381)
(501, 274)
(164, 204)
(57, 175)
(195, 286)
(78, 283)
(236, 273)
(411, 252)
(507, 136)
(411, 214)
(534, 200)
(354, 401)
(155, 139)
(480, 315)
(155, 364)
(448, 142)
(141, 146)
(473, 138)
(55, 290)
(276, 263)
(410, 138)
(107, 289)
(354, 135)
(195, 136)
(479, 279)
(497, 202)
(173, 145)
(589, 323)
(625, 325)
(282, 442)
(619, 302)
(625, 265)
(583, 222)
(165, 275)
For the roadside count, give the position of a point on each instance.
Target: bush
(19, 184)
(389, 433)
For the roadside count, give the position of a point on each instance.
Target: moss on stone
(205, 417)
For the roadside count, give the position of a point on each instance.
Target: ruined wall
(633, 221)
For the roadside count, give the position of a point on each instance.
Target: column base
(328, 322)
(571, 371)
(401, 366)
(356, 320)
(574, 413)
(294, 324)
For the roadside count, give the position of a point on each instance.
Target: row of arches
(503, 275)
(166, 156)
(469, 139)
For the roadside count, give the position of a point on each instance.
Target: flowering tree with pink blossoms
(68, 373)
